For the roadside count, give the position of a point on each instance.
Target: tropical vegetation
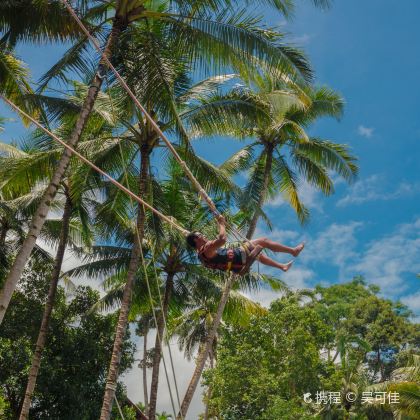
(85, 268)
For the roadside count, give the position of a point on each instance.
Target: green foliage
(329, 344)
(76, 357)
(275, 359)
(344, 339)
(280, 408)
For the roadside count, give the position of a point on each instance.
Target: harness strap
(230, 256)
(225, 266)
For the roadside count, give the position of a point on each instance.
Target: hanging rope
(203, 194)
(156, 127)
(119, 408)
(125, 172)
(167, 219)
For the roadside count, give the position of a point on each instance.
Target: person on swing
(212, 254)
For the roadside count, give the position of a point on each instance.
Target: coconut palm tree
(27, 172)
(209, 30)
(39, 217)
(144, 325)
(14, 83)
(33, 167)
(281, 154)
(14, 216)
(277, 117)
(38, 21)
(175, 264)
(404, 382)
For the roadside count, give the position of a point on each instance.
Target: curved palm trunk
(41, 212)
(210, 390)
(3, 234)
(111, 382)
(43, 332)
(158, 345)
(205, 350)
(267, 173)
(146, 397)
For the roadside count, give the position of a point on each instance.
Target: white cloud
(297, 277)
(365, 131)
(263, 296)
(387, 260)
(301, 39)
(384, 261)
(412, 301)
(372, 189)
(183, 372)
(336, 245)
(308, 194)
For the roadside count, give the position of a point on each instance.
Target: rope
(166, 328)
(190, 175)
(145, 271)
(155, 319)
(119, 408)
(167, 219)
(156, 127)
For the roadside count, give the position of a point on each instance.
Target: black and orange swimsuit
(226, 259)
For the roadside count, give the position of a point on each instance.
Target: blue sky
(366, 50)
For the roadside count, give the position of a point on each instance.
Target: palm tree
(39, 217)
(25, 172)
(210, 30)
(32, 167)
(277, 116)
(196, 327)
(176, 260)
(14, 83)
(143, 327)
(35, 21)
(282, 154)
(405, 382)
(43, 332)
(138, 68)
(175, 263)
(14, 216)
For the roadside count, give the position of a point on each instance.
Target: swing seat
(251, 257)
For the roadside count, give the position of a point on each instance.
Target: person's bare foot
(298, 249)
(285, 267)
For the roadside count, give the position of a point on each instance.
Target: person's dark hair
(191, 237)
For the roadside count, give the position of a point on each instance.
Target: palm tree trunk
(210, 390)
(146, 397)
(205, 350)
(43, 332)
(3, 234)
(267, 173)
(41, 212)
(158, 345)
(111, 382)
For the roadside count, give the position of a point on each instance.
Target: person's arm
(222, 229)
(212, 246)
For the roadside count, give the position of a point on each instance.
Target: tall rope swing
(170, 220)
(160, 339)
(201, 191)
(133, 196)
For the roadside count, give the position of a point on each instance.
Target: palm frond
(285, 180)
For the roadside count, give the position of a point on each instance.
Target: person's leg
(277, 247)
(271, 263)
